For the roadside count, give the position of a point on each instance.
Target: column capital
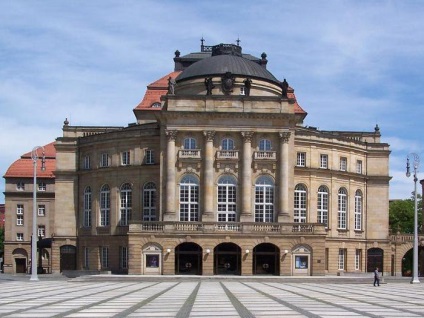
(209, 134)
(284, 136)
(171, 134)
(247, 136)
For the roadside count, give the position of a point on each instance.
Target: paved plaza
(215, 297)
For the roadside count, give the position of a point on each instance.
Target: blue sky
(353, 64)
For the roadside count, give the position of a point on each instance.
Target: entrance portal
(68, 258)
(188, 259)
(227, 259)
(375, 259)
(266, 259)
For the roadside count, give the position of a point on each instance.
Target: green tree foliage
(401, 215)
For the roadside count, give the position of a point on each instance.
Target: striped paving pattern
(218, 298)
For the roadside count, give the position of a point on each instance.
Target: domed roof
(226, 62)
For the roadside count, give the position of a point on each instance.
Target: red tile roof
(24, 167)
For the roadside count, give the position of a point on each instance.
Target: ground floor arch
(407, 262)
(227, 259)
(266, 259)
(188, 259)
(68, 258)
(20, 258)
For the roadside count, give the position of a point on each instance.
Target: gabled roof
(24, 167)
(154, 92)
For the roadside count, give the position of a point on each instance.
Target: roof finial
(201, 41)
(238, 41)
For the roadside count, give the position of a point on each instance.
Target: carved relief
(171, 134)
(247, 136)
(285, 136)
(209, 134)
(227, 83)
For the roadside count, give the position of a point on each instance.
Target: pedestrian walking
(376, 277)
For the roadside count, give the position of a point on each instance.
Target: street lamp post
(415, 279)
(35, 157)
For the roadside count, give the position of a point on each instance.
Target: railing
(189, 153)
(224, 227)
(265, 155)
(227, 154)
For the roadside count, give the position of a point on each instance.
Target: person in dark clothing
(376, 277)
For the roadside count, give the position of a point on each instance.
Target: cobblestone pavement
(208, 298)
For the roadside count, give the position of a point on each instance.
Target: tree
(401, 215)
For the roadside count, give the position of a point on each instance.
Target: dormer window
(156, 105)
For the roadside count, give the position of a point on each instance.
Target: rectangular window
(342, 213)
(359, 166)
(20, 186)
(87, 163)
(19, 220)
(242, 90)
(301, 262)
(86, 258)
(343, 164)
(42, 186)
(19, 236)
(41, 210)
(41, 231)
(323, 164)
(358, 259)
(104, 160)
(149, 159)
(301, 159)
(125, 158)
(342, 259)
(20, 209)
(104, 257)
(123, 257)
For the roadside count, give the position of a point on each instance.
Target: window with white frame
(123, 257)
(242, 90)
(104, 160)
(358, 259)
(126, 204)
(323, 162)
(41, 231)
(87, 207)
(322, 205)
(300, 204)
(125, 158)
(149, 202)
(343, 164)
(358, 210)
(264, 145)
(20, 214)
(342, 259)
(105, 205)
(104, 257)
(189, 199)
(149, 158)
(227, 198)
(301, 159)
(342, 209)
(42, 186)
(86, 258)
(264, 199)
(41, 210)
(227, 144)
(20, 186)
(19, 220)
(190, 143)
(87, 162)
(20, 236)
(20, 209)
(359, 166)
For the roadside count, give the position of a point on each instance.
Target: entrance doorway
(375, 259)
(227, 258)
(20, 265)
(68, 258)
(266, 259)
(188, 259)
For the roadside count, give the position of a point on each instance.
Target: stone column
(283, 180)
(208, 188)
(170, 176)
(246, 190)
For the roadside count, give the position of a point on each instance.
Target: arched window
(300, 204)
(264, 199)
(227, 144)
(190, 143)
(87, 207)
(227, 199)
(149, 202)
(264, 145)
(358, 210)
(105, 205)
(126, 204)
(322, 205)
(189, 198)
(342, 209)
